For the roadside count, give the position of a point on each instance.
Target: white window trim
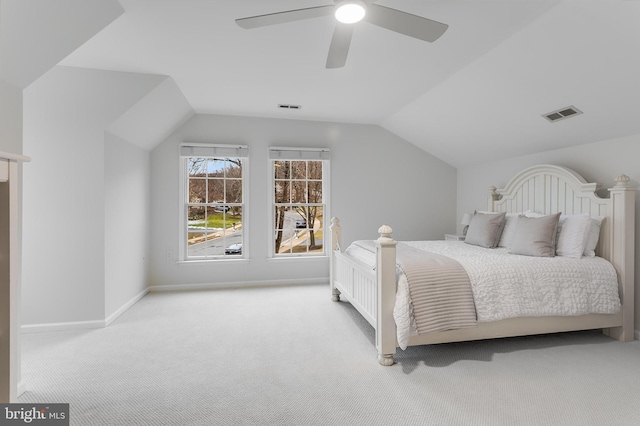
(220, 150)
(298, 153)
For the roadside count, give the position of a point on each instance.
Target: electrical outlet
(168, 255)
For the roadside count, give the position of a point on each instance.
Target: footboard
(371, 291)
(356, 283)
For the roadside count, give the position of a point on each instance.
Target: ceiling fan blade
(284, 17)
(339, 47)
(405, 23)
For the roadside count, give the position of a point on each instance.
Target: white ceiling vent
(562, 113)
(288, 106)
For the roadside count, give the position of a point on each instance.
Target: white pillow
(593, 235)
(573, 231)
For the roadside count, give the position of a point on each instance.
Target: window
(300, 182)
(214, 211)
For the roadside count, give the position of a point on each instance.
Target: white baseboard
(238, 284)
(62, 326)
(114, 316)
(82, 325)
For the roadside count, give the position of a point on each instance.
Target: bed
(373, 288)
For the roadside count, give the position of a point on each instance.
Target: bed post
(386, 283)
(336, 234)
(622, 252)
(492, 198)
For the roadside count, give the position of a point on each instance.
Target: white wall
(598, 162)
(10, 118)
(376, 178)
(127, 211)
(65, 114)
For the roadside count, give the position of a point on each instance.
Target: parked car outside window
(234, 249)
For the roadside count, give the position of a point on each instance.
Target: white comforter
(505, 285)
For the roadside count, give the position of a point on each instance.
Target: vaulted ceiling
(475, 94)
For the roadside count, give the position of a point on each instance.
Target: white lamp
(466, 220)
(350, 11)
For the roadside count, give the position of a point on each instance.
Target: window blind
(278, 153)
(206, 150)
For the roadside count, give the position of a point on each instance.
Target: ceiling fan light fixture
(350, 11)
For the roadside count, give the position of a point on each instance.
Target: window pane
(284, 226)
(233, 168)
(233, 191)
(307, 217)
(301, 219)
(233, 220)
(316, 243)
(315, 170)
(298, 169)
(197, 190)
(233, 231)
(215, 191)
(280, 213)
(282, 191)
(284, 247)
(233, 245)
(315, 192)
(298, 191)
(315, 217)
(215, 245)
(215, 167)
(198, 233)
(282, 169)
(197, 167)
(195, 216)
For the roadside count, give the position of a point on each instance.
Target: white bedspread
(505, 285)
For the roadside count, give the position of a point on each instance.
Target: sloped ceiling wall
(579, 53)
(37, 34)
(154, 117)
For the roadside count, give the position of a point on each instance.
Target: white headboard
(551, 189)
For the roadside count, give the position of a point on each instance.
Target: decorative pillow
(572, 235)
(485, 229)
(535, 236)
(593, 235)
(510, 227)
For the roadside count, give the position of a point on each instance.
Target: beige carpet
(290, 356)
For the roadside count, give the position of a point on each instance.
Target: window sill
(210, 261)
(298, 258)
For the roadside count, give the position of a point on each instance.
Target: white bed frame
(545, 189)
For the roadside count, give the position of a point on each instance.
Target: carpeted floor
(290, 356)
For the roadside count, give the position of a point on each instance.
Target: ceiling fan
(347, 13)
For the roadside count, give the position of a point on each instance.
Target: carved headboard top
(551, 189)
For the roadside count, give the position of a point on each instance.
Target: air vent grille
(562, 113)
(289, 106)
